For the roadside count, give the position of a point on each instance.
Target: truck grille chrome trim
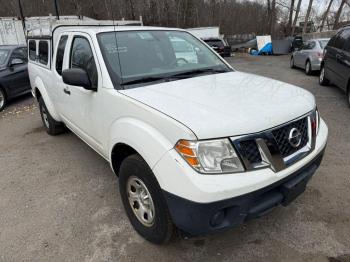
(273, 148)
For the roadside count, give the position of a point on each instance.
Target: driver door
(78, 106)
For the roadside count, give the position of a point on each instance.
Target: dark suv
(335, 66)
(219, 45)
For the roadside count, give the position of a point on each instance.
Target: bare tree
(337, 16)
(291, 11)
(307, 16)
(296, 16)
(325, 15)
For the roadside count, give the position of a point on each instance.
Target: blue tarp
(267, 49)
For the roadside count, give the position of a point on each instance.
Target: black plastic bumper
(202, 218)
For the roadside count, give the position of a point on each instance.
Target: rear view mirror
(16, 61)
(77, 77)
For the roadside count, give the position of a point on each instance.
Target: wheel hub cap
(45, 117)
(140, 201)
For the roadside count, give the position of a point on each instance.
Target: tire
(322, 78)
(136, 177)
(348, 93)
(308, 68)
(292, 62)
(3, 99)
(52, 127)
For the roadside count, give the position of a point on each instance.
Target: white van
(197, 145)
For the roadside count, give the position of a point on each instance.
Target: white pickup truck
(196, 145)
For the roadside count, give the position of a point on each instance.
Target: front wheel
(3, 100)
(143, 201)
(52, 127)
(322, 78)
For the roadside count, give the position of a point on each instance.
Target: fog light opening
(218, 218)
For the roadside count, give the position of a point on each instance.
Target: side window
(43, 52)
(346, 45)
(20, 53)
(82, 57)
(60, 53)
(32, 50)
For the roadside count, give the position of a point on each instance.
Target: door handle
(65, 90)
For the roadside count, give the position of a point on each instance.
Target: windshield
(145, 56)
(3, 56)
(323, 43)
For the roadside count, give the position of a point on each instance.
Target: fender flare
(40, 86)
(144, 138)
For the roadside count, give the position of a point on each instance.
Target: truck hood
(227, 104)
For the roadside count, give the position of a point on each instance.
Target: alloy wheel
(141, 201)
(45, 117)
(322, 75)
(2, 99)
(308, 68)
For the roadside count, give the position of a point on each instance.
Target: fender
(38, 83)
(143, 137)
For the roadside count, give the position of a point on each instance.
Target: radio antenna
(116, 43)
(56, 10)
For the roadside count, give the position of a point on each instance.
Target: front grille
(250, 151)
(281, 136)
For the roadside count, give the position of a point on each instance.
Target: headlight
(211, 156)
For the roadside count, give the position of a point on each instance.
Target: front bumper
(189, 193)
(202, 218)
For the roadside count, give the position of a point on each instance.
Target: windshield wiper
(144, 80)
(199, 71)
(174, 76)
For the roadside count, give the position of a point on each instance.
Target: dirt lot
(59, 199)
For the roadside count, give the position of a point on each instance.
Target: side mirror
(77, 77)
(16, 61)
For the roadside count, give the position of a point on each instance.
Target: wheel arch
(41, 92)
(120, 152)
(130, 135)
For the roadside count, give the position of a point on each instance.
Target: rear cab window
(43, 52)
(32, 50)
(39, 52)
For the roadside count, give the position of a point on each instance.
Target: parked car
(184, 52)
(309, 56)
(14, 80)
(335, 67)
(197, 146)
(219, 45)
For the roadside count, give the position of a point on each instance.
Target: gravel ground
(59, 199)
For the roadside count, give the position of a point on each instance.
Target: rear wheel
(52, 126)
(308, 68)
(322, 78)
(349, 96)
(143, 200)
(3, 100)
